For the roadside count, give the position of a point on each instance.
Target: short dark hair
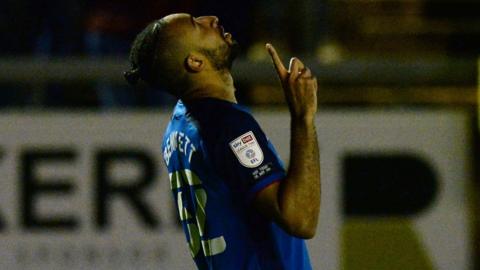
(144, 54)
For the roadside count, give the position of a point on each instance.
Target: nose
(210, 20)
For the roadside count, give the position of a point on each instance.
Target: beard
(222, 58)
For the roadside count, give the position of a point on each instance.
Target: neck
(220, 89)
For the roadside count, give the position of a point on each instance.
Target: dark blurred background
(69, 55)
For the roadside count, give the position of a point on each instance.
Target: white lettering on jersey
(247, 150)
(178, 141)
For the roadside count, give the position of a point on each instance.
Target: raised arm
(294, 203)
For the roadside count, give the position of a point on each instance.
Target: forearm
(300, 192)
(296, 200)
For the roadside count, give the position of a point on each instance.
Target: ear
(194, 63)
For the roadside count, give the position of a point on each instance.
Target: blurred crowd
(324, 28)
(54, 27)
(62, 28)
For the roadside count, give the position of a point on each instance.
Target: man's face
(206, 34)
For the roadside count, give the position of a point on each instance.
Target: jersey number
(196, 226)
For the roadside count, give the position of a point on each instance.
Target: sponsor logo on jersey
(247, 150)
(247, 139)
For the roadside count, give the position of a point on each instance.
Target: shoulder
(220, 120)
(239, 118)
(241, 132)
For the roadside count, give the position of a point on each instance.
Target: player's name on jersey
(178, 141)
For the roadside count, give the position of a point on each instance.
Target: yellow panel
(382, 244)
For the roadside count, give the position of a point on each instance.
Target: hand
(299, 85)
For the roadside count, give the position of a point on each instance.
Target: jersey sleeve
(250, 159)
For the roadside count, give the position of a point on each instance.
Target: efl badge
(247, 150)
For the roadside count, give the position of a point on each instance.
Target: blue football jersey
(218, 159)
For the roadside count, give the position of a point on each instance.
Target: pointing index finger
(277, 62)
